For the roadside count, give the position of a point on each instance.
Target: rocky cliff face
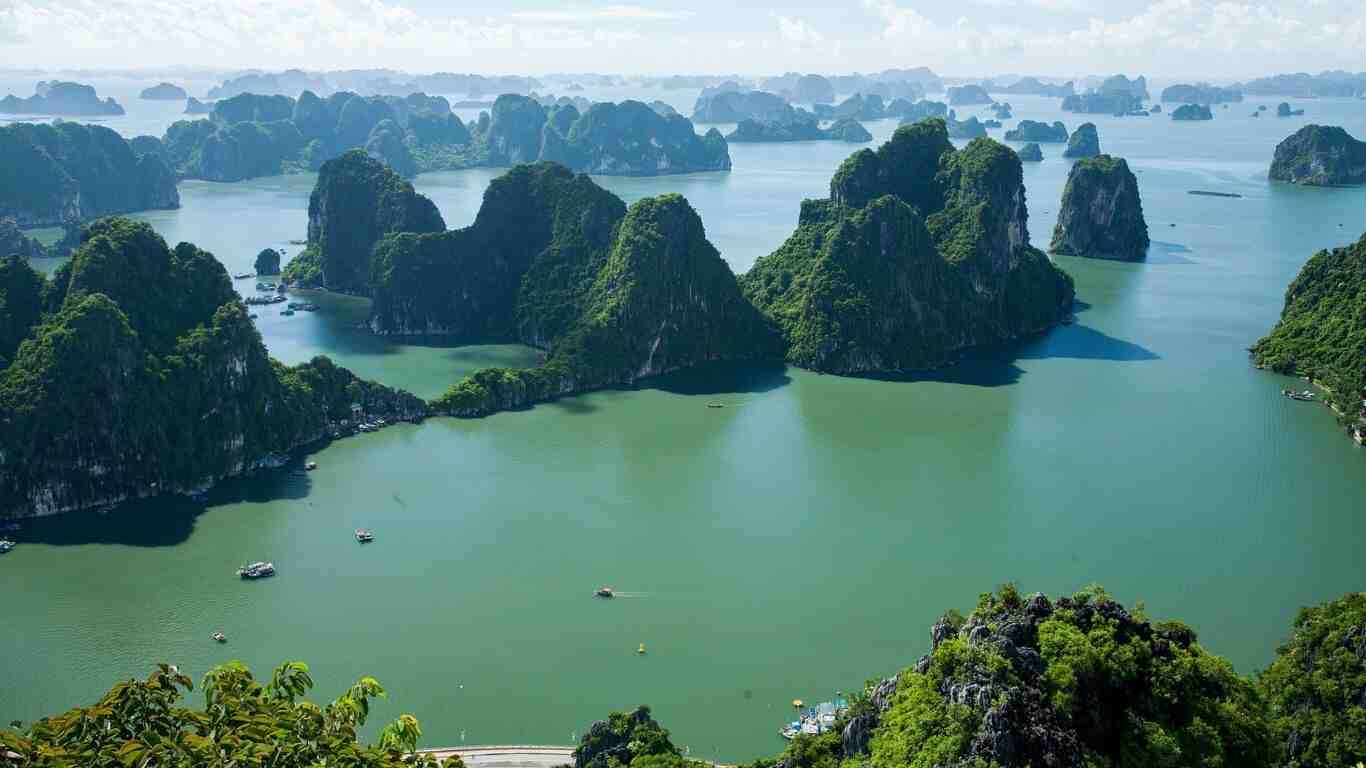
(1084, 142)
(147, 377)
(61, 98)
(1320, 156)
(356, 201)
(732, 106)
(1192, 113)
(51, 174)
(1030, 130)
(805, 127)
(631, 139)
(1031, 153)
(920, 253)
(1101, 215)
(1202, 93)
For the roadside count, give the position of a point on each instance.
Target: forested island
(61, 98)
(52, 175)
(251, 135)
(805, 128)
(1320, 156)
(164, 92)
(928, 238)
(1101, 214)
(1200, 93)
(1192, 112)
(1038, 133)
(135, 371)
(1117, 95)
(1078, 681)
(1322, 331)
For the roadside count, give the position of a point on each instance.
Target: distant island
(135, 371)
(1031, 153)
(1040, 133)
(63, 99)
(967, 95)
(1333, 84)
(54, 175)
(969, 129)
(251, 135)
(1320, 156)
(804, 128)
(1284, 110)
(1084, 142)
(1201, 93)
(1101, 213)
(733, 106)
(164, 92)
(1322, 331)
(1116, 95)
(1192, 112)
(1032, 86)
(1018, 680)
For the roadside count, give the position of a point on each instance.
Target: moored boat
(219, 637)
(6, 545)
(364, 536)
(1303, 396)
(605, 592)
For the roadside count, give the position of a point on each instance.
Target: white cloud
(798, 35)
(601, 13)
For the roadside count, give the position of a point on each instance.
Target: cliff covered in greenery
(805, 127)
(1084, 142)
(1322, 330)
(356, 201)
(137, 371)
(920, 252)
(1192, 113)
(1201, 93)
(61, 98)
(1320, 156)
(1101, 214)
(68, 172)
(1039, 133)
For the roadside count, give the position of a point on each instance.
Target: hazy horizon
(1167, 39)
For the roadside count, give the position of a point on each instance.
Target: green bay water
(796, 542)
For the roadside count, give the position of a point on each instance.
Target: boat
(256, 570)
(310, 465)
(243, 276)
(6, 545)
(219, 637)
(605, 592)
(715, 404)
(1303, 396)
(641, 649)
(1208, 193)
(364, 536)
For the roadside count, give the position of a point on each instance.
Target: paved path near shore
(508, 756)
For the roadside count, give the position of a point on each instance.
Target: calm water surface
(796, 542)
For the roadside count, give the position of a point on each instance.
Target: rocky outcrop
(1192, 112)
(1031, 153)
(61, 98)
(149, 378)
(1101, 215)
(356, 201)
(804, 128)
(52, 174)
(1040, 133)
(660, 299)
(194, 106)
(1121, 85)
(972, 128)
(967, 95)
(1283, 110)
(915, 112)
(1320, 156)
(729, 106)
(13, 242)
(1116, 102)
(920, 253)
(1084, 142)
(1033, 86)
(164, 92)
(802, 89)
(268, 262)
(630, 139)
(1201, 93)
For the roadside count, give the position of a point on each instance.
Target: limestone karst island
(394, 383)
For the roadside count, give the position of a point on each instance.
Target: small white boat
(256, 570)
(6, 545)
(364, 536)
(310, 465)
(219, 637)
(605, 592)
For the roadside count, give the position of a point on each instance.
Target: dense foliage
(919, 253)
(1322, 330)
(1042, 133)
(1101, 213)
(804, 128)
(242, 722)
(356, 201)
(1316, 688)
(66, 172)
(629, 740)
(1192, 112)
(142, 373)
(1320, 155)
(268, 262)
(1084, 142)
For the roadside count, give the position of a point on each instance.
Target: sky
(1211, 39)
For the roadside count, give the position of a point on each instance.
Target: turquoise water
(796, 542)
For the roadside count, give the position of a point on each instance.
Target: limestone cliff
(1101, 214)
(1084, 142)
(1320, 156)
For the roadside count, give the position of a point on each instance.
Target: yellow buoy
(641, 649)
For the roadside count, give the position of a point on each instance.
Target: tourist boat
(256, 570)
(5, 546)
(310, 465)
(1303, 396)
(605, 592)
(364, 536)
(219, 637)
(641, 650)
(243, 276)
(715, 404)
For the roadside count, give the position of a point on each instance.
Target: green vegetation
(804, 128)
(268, 262)
(55, 174)
(1316, 688)
(1322, 330)
(1084, 142)
(136, 370)
(1101, 214)
(629, 740)
(918, 254)
(1030, 130)
(356, 201)
(1321, 156)
(242, 722)
(1192, 112)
